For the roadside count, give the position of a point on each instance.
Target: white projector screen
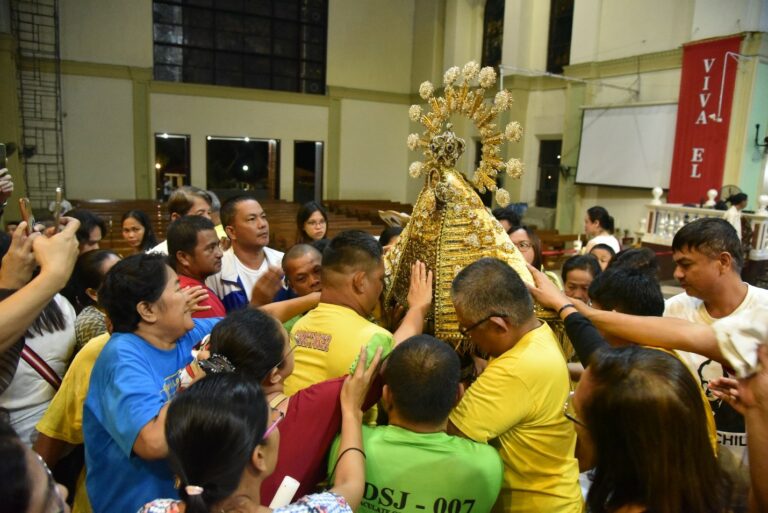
(627, 146)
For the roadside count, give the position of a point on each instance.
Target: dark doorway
(549, 173)
(244, 164)
(308, 171)
(172, 166)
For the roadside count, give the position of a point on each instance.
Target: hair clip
(193, 490)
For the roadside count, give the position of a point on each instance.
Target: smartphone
(26, 214)
(57, 210)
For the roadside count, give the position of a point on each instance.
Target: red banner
(703, 117)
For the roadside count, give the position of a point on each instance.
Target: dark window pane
(168, 73)
(286, 84)
(169, 55)
(257, 65)
(314, 53)
(286, 30)
(197, 18)
(167, 13)
(229, 61)
(254, 44)
(229, 41)
(198, 75)
(229, 22)
(286, 48)
(258, 26)
(314, 35)
(173, 34)
(312, 70)
(198, 37)
(229, 78)
(230, 5)
(285, 68)
(201, 3)
(198, 58)
(257, 81)
(260, 7)
(287, 9)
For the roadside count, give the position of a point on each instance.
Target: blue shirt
(131, 381)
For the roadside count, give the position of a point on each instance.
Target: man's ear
(459, 393)
(498, 324)
(92, 294)
(147, 311)
(182, 258)
(359, 282)
(726, 261)
(386, 398)
(174, 216)
(230, 231)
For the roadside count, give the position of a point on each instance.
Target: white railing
(664, 220)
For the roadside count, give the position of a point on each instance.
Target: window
(549, 173)
(171, 163)
(493, 32)
(560, 27)
(245, 164)
(262, 44)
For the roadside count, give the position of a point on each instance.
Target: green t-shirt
(407, 472)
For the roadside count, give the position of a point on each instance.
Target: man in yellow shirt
(328, 338)
(516, 404)
(61, 428)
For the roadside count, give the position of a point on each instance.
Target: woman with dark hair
(135, 376)
(137, 231)
(529, 245)
(604, 254)
(622, 410)
(389, 237)
(223, 443)
(311, 223)
(259, 348)
(26, 484)
(90, 269)
(598, 226)
(738, 203)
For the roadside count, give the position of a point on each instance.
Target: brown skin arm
(664, 332)
(151, 444)
(286, 310)
(51, 449)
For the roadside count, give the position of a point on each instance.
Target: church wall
(107, 31)
(369, 44)
(98, 137)
(374, 156)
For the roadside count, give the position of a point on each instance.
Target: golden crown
(440, 145)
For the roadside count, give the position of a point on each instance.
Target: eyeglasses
(465, 331)
(53, 490)
(273, 426)
(570, 412)
(523, 245)
(316, 223)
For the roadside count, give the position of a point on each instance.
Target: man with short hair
(187, 200)
(249, 258)
(301, 266)
(328, 338)
(708, 260)
(412, 462)
(518, 399)
(194, 253)
(92, 230)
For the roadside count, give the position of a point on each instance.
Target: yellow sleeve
(63, 420)
(493, 405)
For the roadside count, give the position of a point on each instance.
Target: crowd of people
(211, 373)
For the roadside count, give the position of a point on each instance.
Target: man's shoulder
(757, 296)
(273, 256)
(682, 306)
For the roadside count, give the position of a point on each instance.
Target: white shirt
(28, 395)
(236, 277)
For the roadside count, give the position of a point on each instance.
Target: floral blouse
(326, 502)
